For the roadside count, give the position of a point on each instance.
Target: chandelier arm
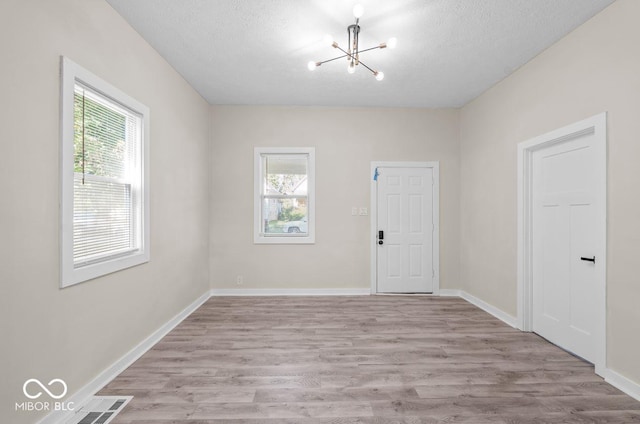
(370, 48)
(372, 71)
(330, 60)
(346, 54)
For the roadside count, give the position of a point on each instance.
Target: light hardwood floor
(364, 359)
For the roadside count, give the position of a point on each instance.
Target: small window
(284, 195)
(104, 180)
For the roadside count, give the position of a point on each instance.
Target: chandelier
(353, 50)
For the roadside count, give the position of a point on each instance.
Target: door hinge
(433, 273)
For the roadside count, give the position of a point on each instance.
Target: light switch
(354, 211)
(364, 212)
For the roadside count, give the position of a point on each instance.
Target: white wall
(594, 69)
(51, 333)
(346, 141)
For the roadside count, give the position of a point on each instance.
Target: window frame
(258, 236)
(72, 73)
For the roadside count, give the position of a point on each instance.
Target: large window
(284, 195)
(104, 177)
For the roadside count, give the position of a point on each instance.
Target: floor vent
(99, 410)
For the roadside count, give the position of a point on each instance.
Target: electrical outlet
(239, 280)
(364, 212)
(354, 211)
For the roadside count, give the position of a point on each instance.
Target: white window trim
(70, 74)
(259, 238)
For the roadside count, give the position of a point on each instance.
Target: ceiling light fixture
(353, 50)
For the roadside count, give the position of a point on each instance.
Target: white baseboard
(623, 383)
(91, 388)
(498, 313)
(490, 309)
(291, 292)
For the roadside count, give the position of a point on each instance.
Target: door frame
(435, 166)
(596, 125)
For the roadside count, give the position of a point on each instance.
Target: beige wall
(346, 141)
(594, 69)
(51, 333)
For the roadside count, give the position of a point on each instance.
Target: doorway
(562, 238)
(405, 224)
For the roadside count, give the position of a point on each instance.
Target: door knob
(380, 242)
(589, 259)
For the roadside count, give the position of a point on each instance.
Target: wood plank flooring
(361, 359)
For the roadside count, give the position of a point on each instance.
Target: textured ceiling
(256, 51)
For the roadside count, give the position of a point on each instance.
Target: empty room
(305, 211)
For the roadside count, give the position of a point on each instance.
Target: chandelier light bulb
(392, 43)
(311, 65)
(379, 75)
(351, 68)
(358, 10)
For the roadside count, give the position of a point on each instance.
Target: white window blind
(106, 198)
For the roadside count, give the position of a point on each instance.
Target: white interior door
(405, 228)
(565, 244)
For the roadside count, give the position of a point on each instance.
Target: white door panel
(405, 216)
(564, 230)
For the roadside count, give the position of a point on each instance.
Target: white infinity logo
(42, 386)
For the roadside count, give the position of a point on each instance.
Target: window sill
(284, 240)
